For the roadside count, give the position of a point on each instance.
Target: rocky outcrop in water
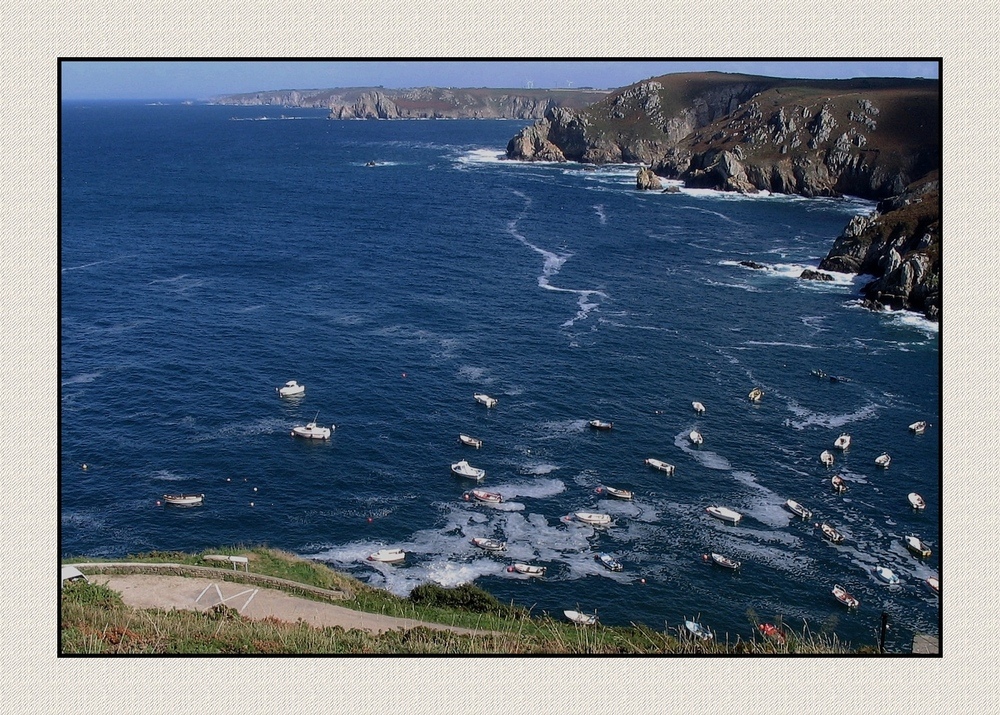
(646, 180)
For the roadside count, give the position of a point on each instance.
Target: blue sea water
(207, 256)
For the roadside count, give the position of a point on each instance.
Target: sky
(200, 80)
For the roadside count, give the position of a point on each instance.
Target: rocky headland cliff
(877, 138)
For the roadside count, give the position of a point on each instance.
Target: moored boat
(698, 631)
(838, 484)
(886, 574)
(695, 437)
(843, 441)
(661, 465)
(917, 546)
(464, 469)
(488, 497)
(841, 594)
(724, 514)
(798, 509)
(528, 569)
(184, 499)
(698, 407)
(619, 493)
(470, 441)
(916, 501)
(832, 534)
(600, 424)
(593, 518)
(934, 584)
(755, 394)
(883, 460)
(918, 427)
(581, 619)
(388, 556)
(724, 561)
(483, 399)
(826, 457)
(312, 430)
(291, 389)
(609, 562)
(489, 544)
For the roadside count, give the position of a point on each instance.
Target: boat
(661, 465)
(184, 499)
(917, 546)
(609, 562)
(769, 630)
(485, 399)
(838, 484)
(312, 430)
(388, 556)
(291, 389)
(886, 574)
(489, 544)
(581, 619)
(883, 460)
(592, 518)
(528, 569)
(598, 424)
(841, 594)
(724, 561)
(826, 457)
(698, 407)
(798, 509)
(843, 441)
(464, 469)
(934, 584)
(725, 514)
(619, 493)
(832, 534)
(918, 427)
(755, 394)
(488, 497)
(470, 441)
(698, 631)
(818, 373)
(695, 437)
(916, 501)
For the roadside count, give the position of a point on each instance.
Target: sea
(208, 254)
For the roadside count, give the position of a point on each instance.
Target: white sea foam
(808, 418)
(741, 286)
(82, 378)
(706, 458)
(601, 217)
(910, 319)
(486, 156)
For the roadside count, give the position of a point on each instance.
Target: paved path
(201, 594)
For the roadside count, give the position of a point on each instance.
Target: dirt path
(200, 594)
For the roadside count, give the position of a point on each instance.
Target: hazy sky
(202, 80)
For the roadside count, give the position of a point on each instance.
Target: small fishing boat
(528, 569)
(592, 518)
(609, 562)
(489, 544)
(724, 561)
(470, 441)
(485, 399)
(698, 407)
(184, 499)
(843, 441)
(313, 430)
(725, 514)
(464, 469)
(841, 594)
(599, 424)
(817, 373)
(695, 437)
(933, 583)
(826, 457)
(838, 484)
(918, 427)
(886, 574)
(798, 509)
(488, 497)
(619, 493)
(917, 546)
(832, 534)
(883, 460)
(916, 501)
(698, 631)
(755, 394)
(291, 389)
(769, 630)
(661, 465)
(388, 556)
(581, 619)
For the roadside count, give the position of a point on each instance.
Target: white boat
(464, 469)
(470, 441)
(886, 574)
(843, 441)
(592, 518)
(724, 561)
(838, 484)
(609, 562)
(599, 424)
(184, 499)
(661, 465)
(489, 544)
(933, 584)
(291, 389)
(725, 514)
(832, 534)
(916, 501)
(619, 493)
(485, 399)
(488, 497)
(883, 460)
(798, 509)
(695, 437)
(826, 457)
(698, 407)
(917, 546)
(581, 619)
(698, 631)
(918, 427)
(388, 556)
(841, 594)
(312, 430)
(528, 569)
(755, 394)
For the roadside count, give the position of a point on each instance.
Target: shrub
(91, 594)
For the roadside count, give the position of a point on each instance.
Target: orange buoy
(642, 580)
(157, 502)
